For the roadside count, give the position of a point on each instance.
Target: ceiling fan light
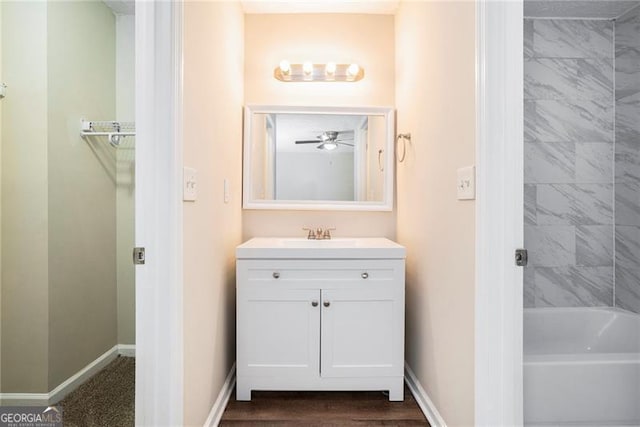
(330, 146)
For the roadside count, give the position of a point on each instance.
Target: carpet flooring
(107, 399)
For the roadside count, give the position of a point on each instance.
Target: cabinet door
(278, 332)
(362, 332)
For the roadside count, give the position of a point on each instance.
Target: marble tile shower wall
(627, 161)
(569, 139)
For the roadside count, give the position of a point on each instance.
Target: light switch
(189, 184)
(227, 196)
(466, 183)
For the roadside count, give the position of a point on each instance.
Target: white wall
(125, 184)
(343, 38)
(317, 176)
(435, 91)
(213, 98)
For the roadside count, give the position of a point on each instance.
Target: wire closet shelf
(113, 130)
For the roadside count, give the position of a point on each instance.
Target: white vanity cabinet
(322, 317)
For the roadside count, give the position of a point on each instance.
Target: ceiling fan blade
(321, 146)
(341, 140)
(315, 141)
(344, 143)
(345, 132)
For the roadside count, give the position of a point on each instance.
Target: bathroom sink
(307, 243)
(293, 248)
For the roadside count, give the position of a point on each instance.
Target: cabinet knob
(314, 303)
(365, 275)
(326, 303)
(276, 275)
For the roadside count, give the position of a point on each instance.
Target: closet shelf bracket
(113, 130)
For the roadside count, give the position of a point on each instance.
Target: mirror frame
(321, 205)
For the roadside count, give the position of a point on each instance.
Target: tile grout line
(613, 160)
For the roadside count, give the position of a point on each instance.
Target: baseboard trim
(73, 382)
(215, 415)
(24, 399)
(426, 404)
(127, 350)
(82, 375)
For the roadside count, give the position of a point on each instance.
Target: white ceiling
(384, 7)
(305, 127)
(121, 7)
(602, 9)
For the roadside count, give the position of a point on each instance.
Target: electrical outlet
(466, 183)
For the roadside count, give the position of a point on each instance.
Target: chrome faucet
(318, 233)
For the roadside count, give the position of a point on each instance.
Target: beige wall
(25, 275)
(82, 217)
(343, 38)
(125, 178)
(58, 195)
(1, 203)
(213, 97)
(435, 54)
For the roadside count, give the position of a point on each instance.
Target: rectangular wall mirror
(321, 158)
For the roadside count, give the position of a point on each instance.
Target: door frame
(158, 213)
(499, 213)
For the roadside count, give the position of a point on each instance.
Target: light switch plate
(189, 184)
(466, 183)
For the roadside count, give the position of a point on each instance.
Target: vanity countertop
(336, 248)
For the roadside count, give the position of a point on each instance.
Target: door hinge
(138, 256)
(522, 257)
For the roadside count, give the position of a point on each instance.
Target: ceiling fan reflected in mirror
(330, 139)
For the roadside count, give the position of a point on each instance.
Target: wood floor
(291, 408)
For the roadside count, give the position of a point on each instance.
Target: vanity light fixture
(285, 67)
(307, 68)
(353, 70)
(330, 69)
(310, 72)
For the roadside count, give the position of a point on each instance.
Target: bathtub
(581, 366)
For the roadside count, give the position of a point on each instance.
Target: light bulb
(353, 70)
(285, 67)
(330, 68)
(330, 146)
(307, 68)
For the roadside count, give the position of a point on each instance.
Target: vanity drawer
(326, 271)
